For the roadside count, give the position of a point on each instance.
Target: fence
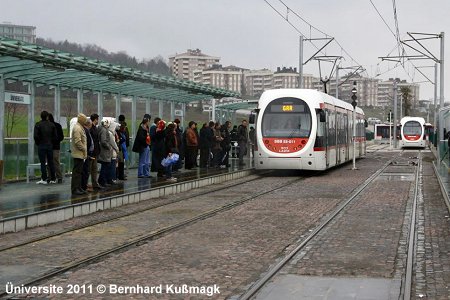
(16, 157)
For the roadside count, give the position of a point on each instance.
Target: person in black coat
(57, 148)
(141, 145)
(206, 140)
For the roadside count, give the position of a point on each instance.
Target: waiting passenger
(79, 154)
(44, 135)
(104, 157)
(57, 148)
(141, 145)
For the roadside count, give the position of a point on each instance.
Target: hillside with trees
(155, 65)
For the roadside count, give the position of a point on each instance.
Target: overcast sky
(245, 33)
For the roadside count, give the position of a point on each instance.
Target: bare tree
(406, 98)
(13, 117)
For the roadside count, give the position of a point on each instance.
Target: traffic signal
(388, 118)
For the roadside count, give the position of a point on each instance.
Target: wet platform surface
(21, 198)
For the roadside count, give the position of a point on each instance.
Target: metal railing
(16, 157)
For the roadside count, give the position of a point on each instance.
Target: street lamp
(354, 123)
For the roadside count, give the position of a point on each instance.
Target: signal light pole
(354, 124)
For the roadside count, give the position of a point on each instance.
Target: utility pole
(300, 63)
(395, 114)
(435, 104)
(441, 95)
(354, 124)
(337, 82)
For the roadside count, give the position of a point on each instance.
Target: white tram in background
(305, 130)
(412, 132)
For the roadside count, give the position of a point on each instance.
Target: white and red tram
(412, 132)
(305, 130)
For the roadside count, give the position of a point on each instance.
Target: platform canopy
(43, 66)
(238, 104)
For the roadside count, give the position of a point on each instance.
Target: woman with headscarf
(158, 147)
(171, 148)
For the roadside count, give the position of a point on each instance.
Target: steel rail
(412, 236)
(274, 270)
(91, 224)
(151, 236)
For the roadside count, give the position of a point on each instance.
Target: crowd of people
(163, 147)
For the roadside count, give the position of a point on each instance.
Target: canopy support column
(57, 113)
(183, 107)
(148, 106)
(133, 127)
(80, 100)
(213, 112)
(160, 108)
(31, 121)
(2, 119)
(100, 105)
(118, 102)
(172, 111)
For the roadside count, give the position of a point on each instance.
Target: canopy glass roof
(43, 66)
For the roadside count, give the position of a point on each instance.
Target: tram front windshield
(412, 128)
(287, 118)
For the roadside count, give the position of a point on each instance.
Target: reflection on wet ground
(21, 198)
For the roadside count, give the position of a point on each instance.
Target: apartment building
(190, 64)
(19, 32)
(230, 77)
(386, 91)
(257, 81)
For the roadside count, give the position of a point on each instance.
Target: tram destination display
(287, 108)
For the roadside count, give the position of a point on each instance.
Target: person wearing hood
(104, 157)
(79, 154)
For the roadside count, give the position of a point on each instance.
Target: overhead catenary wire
(399, 45)
(288, 9)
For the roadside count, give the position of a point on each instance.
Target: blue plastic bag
(170, 160)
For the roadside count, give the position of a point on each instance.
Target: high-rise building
(190, 64)
(257, 81)
(18, 32)
(230, 78)
(386, 91)
(285, 78)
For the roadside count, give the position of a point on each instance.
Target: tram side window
(320, 136)
(331, 138)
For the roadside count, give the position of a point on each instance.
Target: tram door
(346, 135)
(327, 137)
(338, 137)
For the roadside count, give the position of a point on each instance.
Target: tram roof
(44, 66)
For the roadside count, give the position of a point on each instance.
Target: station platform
(26, 205)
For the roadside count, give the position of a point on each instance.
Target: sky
(247, 33)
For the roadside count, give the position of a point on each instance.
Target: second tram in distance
(305, 129)
(412, 132)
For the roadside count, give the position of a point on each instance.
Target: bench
(31, 168)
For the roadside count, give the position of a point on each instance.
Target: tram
(305, 129)
(412, 132)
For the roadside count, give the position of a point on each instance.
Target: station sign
(17, 98)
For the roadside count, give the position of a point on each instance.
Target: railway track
(137, 240)
(407, 278)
